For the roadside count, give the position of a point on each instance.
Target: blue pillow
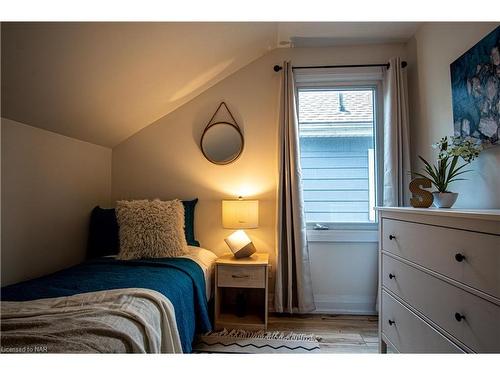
(189, 207)
(104, 236)
(103, 233)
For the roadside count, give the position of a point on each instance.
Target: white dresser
(439, 277)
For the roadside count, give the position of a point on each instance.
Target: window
(337, 130)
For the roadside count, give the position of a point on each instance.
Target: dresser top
(257, 259)
(482, 214)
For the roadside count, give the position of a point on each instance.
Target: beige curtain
(396, 139)
(396, 136)
(293, 289)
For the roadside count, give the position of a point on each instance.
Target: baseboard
(342, 305)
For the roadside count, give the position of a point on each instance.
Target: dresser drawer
(410, 334)
(440, 302)
(436, 248)
(241, 277)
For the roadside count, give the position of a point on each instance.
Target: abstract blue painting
(475, 86)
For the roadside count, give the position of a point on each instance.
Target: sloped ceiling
(103, 82)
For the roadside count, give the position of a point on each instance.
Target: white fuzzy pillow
(151, 229)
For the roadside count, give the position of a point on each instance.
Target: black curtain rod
(277, 68)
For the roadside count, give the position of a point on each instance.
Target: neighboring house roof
(336, 113)
(335, 106)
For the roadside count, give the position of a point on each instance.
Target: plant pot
(444, 200)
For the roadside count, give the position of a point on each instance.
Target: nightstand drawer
(241, 276)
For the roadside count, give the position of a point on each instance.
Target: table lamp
(240, 214)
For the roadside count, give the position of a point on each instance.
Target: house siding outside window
(337, 143)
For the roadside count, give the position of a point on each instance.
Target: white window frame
(350, 79)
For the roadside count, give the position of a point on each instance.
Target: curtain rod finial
(277, 68)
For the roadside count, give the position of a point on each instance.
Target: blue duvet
(180, 280)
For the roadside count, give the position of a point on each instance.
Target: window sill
(336, 235)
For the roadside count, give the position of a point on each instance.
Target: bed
(110, 305)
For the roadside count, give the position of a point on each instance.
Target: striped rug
(256, 342)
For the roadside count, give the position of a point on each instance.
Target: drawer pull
(240, 276)
(392, 237)
(459, 257)
(392, 276)
(392, 322)
(459, 317)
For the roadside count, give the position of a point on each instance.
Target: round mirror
(222, 143)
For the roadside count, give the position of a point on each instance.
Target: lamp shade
(240, 244)
(240, 214)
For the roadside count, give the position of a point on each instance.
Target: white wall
(434, 48)
(344, 277)
(50, 183)
(164, 160)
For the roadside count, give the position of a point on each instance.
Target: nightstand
(241, 292)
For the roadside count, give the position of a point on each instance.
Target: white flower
(466, 148)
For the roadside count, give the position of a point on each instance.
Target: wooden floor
(339, 333)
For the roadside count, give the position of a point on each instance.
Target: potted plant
(447, 169)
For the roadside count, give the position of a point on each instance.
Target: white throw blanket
(112, 321)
